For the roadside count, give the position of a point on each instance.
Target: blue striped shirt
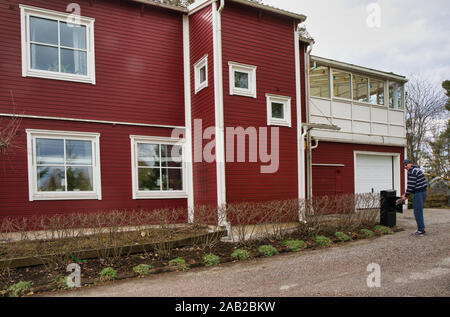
(416, 181)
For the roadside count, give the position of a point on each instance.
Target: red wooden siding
(329, 180)
(266, 41)
(201, 42)
(115, 156)
(139, 66)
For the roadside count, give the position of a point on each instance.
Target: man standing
(417, 185)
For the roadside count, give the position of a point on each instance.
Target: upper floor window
(341, 84)
(242, 79)
(201, 74)
(360, 88)
(320, 81)
(63, 165)
(376, 91)
(278, 110)
(57, 45)
(396, 95)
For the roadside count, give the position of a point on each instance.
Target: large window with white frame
(319, 81)
(242, 79)
(278, 110)
(342, 84)
(376, 91)
(157, 168)
(201, 74)
(57, 45)
(63, 165)
(360, 88)
(396, 95)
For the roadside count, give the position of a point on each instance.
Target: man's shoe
(419, 233)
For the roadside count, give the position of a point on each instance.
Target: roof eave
(257, 5)
(360, 69)
(163, 5)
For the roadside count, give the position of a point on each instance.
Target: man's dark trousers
(418, 202)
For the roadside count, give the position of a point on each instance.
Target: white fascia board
(358, 69)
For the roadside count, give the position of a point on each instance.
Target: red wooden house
(120, 100)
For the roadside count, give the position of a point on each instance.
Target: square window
(242, 79)
(278, 110)
(53, 48)
(63, 165)
(158, 169)
(201, 74)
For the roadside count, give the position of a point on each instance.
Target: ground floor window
(63, 165)
(157, 168)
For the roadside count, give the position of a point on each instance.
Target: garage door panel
(374, 173)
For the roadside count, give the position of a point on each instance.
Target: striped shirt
(416, 181)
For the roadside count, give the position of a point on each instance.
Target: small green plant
(268, 250)
(295, 245)
(323, 241)
(60, 282)
(143, 269)
(240, 254)
(368, 233)
(180, 263)
(384, 230)
(19, 289)
(342, 236)
(211, 259)
(108, 274)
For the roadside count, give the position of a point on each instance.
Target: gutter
(163, 5)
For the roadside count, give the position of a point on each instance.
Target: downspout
(219, 116)
(309, 157)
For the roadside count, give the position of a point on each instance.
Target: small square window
(201, 74)
(242, 80)
(278, 110)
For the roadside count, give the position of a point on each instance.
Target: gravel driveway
(409, 266)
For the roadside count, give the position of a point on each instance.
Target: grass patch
(179, 263)
(295, 245)
(323, 241)
(342, 236)
(108, 274)
(143, 269)
(268, 250)
(19, 289)
(368, 233)
(211, 259)
(240, 254)
(384, 230)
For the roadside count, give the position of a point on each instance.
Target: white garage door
(374, 173)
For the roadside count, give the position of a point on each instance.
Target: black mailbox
(390, 204)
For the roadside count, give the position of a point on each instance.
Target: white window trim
(96, 194)
(26, 12)
(286, 101)
(197, 67)
(251, 71)
(137, 194)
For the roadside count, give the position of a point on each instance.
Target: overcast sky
(413, 37)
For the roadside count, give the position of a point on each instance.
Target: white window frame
(160, 194)
(34, 194)
(197, 67)
(251, 71)
(27, 71)
(286, 102)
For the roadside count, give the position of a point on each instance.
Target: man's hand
(404, 197)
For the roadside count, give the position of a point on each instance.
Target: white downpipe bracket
(219, 116)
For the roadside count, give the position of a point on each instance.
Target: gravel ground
(410, 266)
